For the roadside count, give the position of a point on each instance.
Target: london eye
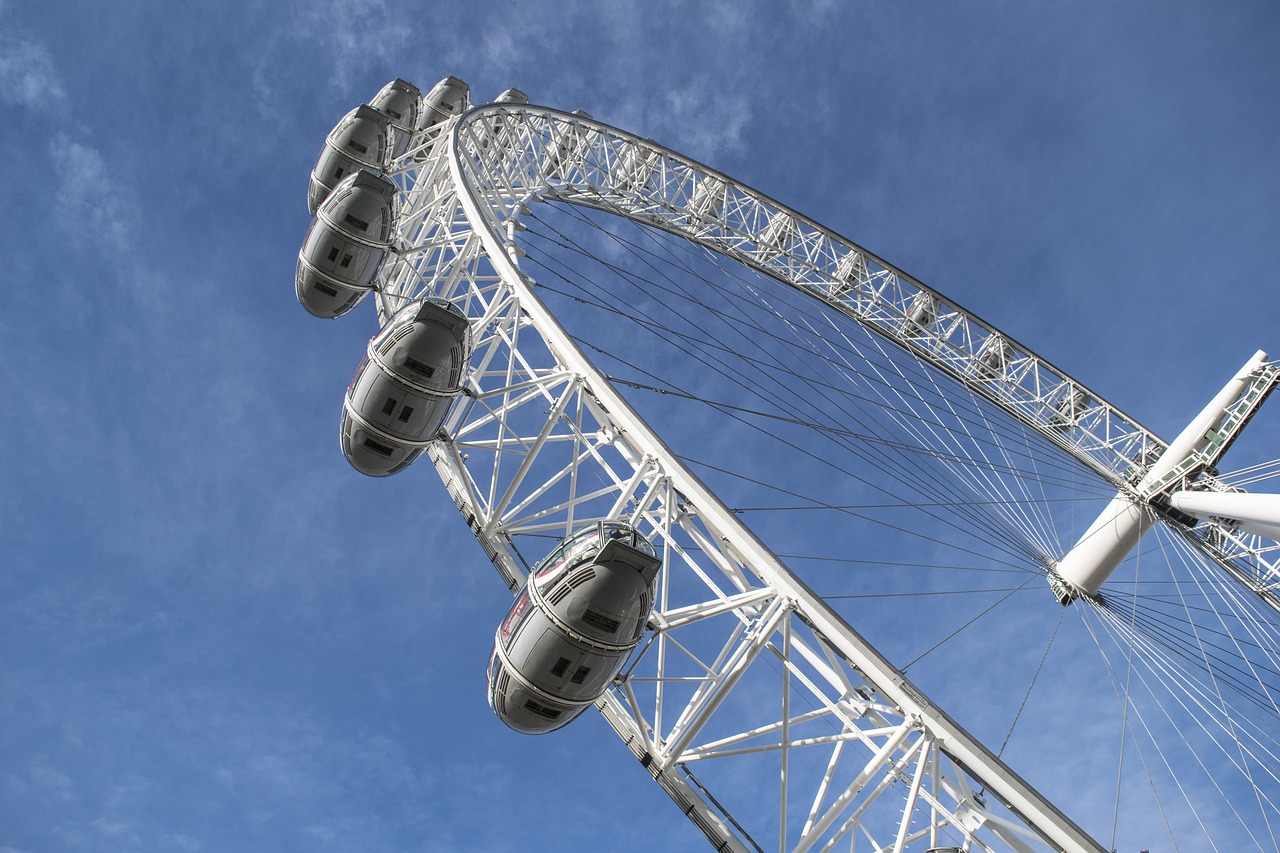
(718, 451)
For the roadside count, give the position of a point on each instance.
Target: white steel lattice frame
(542, 444)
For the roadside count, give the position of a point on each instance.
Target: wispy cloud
(28, 77)
(368, 32)
(355, 35)
(90, 203)
(93, 207)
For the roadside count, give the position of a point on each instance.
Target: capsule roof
(361, 139)
(362, 136)
(362, 206)
(425, 345)
(399, 100)
(446, 98)
(512, 96)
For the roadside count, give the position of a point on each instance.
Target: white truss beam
(736, 637)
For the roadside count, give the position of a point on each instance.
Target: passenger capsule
(446, 99)
(570, 141)
(404, 387)
(498, 132)
(399, 100)
(361, 140)
(512, 96)
(345, 246)
(572, 627)
(708, 199)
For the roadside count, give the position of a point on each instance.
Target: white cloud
(690, 120)
(50, 780)
(359, 33)
(27, 75)
(712, 127)
(90, 204)
(501, 52)
(355, 35)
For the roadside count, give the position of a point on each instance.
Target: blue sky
(215, 635)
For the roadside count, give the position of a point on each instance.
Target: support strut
(1132, 512)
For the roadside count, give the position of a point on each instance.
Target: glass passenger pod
(405, 387)
(993, 358)
(1073, 402)
(512, 96)
(707, 200)
(777, 236)
(549, 660)
(600, 584)
(337, 265)
(400, 101)
(363, 207)
(851, 272)
(362, 139)
(426, 346)
(448, 98)
(323, 295)
(522, 706)
(569, 142)
(635, 167)
(497, 134)
(921, 315)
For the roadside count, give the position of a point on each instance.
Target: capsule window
(418, 367)
(324, 288)
(389, 406)
(405, 414)
(346, 261)
(338, 172)
(542, 710)
(580, 675)
(358, 223)
(560, 667)
(596, 619)
(356, 146)
(377, 447)
(333, 254)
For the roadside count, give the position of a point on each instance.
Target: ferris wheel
(486, 235)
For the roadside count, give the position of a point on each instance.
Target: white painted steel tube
(1195, 436)
(1104, 545)
(1259, 514)
(1122, 524)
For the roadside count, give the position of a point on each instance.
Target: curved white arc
(694, 202)
(1028, 387)
(772, 244)
(1010, 788)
